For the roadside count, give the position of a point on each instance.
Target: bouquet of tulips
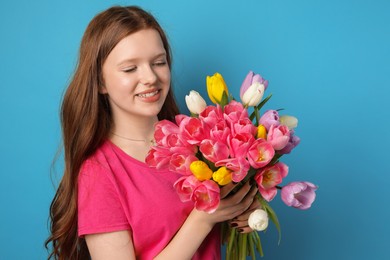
(224, 143)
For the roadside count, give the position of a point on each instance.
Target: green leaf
(262, 103)
(272, 216)
(224, 100)
(252, 116)
(259, 248)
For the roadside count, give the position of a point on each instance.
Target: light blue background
(328, 63)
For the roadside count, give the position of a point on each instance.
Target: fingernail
(240, 230)
(233, 224)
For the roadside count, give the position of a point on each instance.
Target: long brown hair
(86, 118)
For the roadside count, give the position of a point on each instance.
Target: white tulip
(253, 95)
(258, 220)
(290, 121)
(195, 103)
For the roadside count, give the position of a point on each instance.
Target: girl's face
(137, 76)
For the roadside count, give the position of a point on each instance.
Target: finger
(238, 203)
(243, 204)
(240, 195)
(255, 205)
(239, 223)
(245, 216)
(245, 230)
(225, 190)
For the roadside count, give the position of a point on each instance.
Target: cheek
(165, 76)
(115, 83)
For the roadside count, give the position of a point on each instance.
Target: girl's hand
(199, 223)
(230, 206)
(241, 221)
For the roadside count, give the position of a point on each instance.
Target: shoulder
(96, 168)
(99, 160)
(100, 206)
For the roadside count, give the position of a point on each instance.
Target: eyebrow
(163, 54)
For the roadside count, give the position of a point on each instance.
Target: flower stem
(251, 245)
(257, 115)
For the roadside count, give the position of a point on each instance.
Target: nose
(148, 76)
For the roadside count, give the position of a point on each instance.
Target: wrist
(202, 220)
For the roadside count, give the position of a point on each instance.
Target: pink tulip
(185, 187)
(158, 157)
(169, 140)
(239, 167)
(299, 194)
(278, 136)
(219, 132)
(214, 151)
(211, 115)
(206, 196)
(239, 144)
(176, 143)
(180, 162)
(191, 129)
(244, 125)
(292, 143)
(163, 129)
(234, 111)
(270, 117)
(260, 153)
(269, 177)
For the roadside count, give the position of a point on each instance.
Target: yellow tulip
(222, 176)
(217, 89)
(261, 132)
(201, 170)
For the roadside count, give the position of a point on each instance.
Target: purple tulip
(270, 117)
(299, 194)
(251, 78)
(292, 143)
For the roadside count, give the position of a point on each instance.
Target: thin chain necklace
(151, 141)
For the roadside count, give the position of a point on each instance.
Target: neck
(135, 138)
(135, 129)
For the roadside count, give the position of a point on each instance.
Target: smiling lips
(150, 96)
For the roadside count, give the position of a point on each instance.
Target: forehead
(142, 44)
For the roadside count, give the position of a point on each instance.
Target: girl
(110, 204)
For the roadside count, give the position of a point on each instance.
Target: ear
(102, 89)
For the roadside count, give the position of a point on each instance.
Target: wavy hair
(86, 118)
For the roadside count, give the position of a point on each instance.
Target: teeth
(146, 95)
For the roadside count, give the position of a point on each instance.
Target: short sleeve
(99, 204)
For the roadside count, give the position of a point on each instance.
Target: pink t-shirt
(117, 192)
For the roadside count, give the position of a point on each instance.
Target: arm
(112, 245)
(118, 245)
(198, 224)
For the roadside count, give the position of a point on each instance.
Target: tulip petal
(246, 83)
(299, 195)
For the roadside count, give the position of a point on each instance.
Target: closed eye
(129, 69)
(160, 63)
